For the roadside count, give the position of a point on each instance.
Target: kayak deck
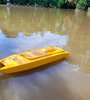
(30, 59)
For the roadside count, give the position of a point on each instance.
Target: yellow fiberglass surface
(31, 59)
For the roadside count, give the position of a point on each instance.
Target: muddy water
(24, 28)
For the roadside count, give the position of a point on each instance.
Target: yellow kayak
(31, 59)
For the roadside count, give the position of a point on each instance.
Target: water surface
(25, 28)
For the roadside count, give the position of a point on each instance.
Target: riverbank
(71, 4)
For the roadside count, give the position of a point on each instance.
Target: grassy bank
(79, 4)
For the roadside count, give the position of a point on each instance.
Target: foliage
(88, 3)
(31, 2)
(49, 3)
(2, 1)
(18, 1)
(58, 3)
(82, 4)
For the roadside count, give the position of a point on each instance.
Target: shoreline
(17, 5)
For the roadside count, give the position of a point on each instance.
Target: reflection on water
(22, 42)
(24, 28)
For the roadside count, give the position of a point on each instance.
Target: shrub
(59, 3)
(32, 2)
(88, 3)
(3, 1)
(82, 4)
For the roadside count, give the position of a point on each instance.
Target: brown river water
(25, 28)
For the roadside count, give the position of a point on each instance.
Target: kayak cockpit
(1, 65)
(34, 54)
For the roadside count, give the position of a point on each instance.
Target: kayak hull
(34, 63)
